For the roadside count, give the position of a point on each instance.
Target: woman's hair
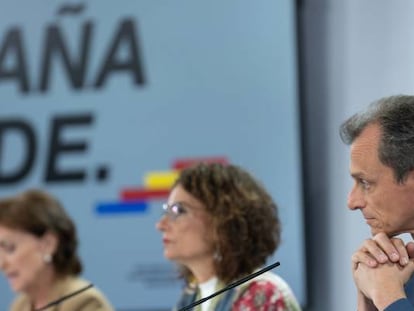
(37, 212)
(244, 217)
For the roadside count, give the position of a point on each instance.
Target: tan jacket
(89, 300)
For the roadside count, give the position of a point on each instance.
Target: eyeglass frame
(174, 210)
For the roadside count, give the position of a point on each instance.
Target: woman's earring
(47, 258)
(217, 256)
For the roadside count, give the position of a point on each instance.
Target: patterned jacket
(267, 292)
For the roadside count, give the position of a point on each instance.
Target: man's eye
(365, 184)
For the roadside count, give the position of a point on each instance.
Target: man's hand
(384, 283)
(381, 249)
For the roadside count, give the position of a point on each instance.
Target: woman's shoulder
(268, 280)
(81, 295)
(267, 291)
(20, 303)
(85, 297)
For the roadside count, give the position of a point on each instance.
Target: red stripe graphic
(138, 194)
(183, 163)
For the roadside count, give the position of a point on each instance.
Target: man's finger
(387, 246)
(363, 257)
(402, 250)
(410, 250)
(375, 250)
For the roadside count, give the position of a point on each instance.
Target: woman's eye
(174, 210)
(178, 209)
(8, 247)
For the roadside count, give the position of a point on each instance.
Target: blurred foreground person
(220, 225)
(38, 256)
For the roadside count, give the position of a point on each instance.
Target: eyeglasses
(174, 211)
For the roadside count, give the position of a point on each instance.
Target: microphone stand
(65, 297)
(230, 286)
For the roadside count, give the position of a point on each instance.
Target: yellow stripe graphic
(160, 179)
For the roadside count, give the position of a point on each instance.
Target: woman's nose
(162, 223)
(2, 263)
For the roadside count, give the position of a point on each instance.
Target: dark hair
(244, 216)
(37, 212)
(395, 116)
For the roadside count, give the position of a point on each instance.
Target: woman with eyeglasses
(38, 256)
(220, 225)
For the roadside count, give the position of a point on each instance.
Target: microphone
(57, 301)
(230, 286)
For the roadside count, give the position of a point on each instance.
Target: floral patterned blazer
(267, 292)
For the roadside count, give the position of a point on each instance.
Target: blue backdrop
(97, 97)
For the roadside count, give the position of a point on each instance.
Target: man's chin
(375, 231)
(390, 234)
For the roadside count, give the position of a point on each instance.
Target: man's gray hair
(395, 116)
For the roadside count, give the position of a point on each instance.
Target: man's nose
(355, 199)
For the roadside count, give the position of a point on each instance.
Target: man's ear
(49, 243)
(410, 178)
